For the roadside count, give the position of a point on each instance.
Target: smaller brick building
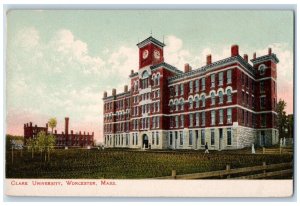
(63, 139)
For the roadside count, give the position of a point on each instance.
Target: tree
(41, 142)
(32, 145)
(281, 118)
(290, 119)
(50, 143)
(45, 143)
(52, 123)
(10, 139)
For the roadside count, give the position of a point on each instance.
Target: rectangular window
(202, 137)
(157, 122)
(220, 78)
(182, 120)
(157, 138)
(253, 120)
(229, 115)
(203, 118)
(191, 120)
(262, 102)
(246, 117)
(247, 99)
(190, 137)
(263, 120)
(221, 116)
(181, 89)
(213, 117)
(212, 79)
(196, 86)
(176, 121)
(243, 116)
(181, 138)
(229, 138)
(153, 122)
(197, 119)
(153, 138)
(212, 137)
(229, 78)
(243, 97)
(191, 86)
(262, 86)
(171, 138)
(176, 90)
(242, 78)
(203, 84)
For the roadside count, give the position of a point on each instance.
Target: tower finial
(163, 38)
(151, 32)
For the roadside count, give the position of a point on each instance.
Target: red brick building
(227, 104)
(62, 139)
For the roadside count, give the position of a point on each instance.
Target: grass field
(82, 163)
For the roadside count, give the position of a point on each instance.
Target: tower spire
(151, 32)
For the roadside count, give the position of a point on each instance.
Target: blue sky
(60, 62)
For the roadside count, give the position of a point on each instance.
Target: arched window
(197, 102)
(182, 104)
(157, 79)
(229, 96)
(191, 103)
(220, 97)
(145, 74)
(176, 105)
(262, 69)
(213, 98)
(203, 100)
(171, 105)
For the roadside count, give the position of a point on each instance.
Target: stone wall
(245, 137)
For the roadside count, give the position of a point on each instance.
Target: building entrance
(145, 141)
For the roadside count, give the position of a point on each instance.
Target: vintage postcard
(149, 103)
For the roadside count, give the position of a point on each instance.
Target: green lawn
(81, 163)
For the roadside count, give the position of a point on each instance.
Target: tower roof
(150, 39)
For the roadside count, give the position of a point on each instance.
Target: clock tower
(150, 52)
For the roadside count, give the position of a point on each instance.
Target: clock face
(145, 54)
(156, 54)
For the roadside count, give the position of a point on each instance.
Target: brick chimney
(104, 94)
(66, 126)
(208, 59)
(246, 57)
(114, 92)
(132, 72)
(125, 88)
(186, 68)
(270, 51)
(234, 50)
(254, 55)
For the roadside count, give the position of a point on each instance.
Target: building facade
(63, 139)
(228, 104)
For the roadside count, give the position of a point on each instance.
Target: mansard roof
(150, 39)
(260, 59)
(212, 66)
(167, 66)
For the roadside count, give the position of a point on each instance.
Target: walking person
(206, 148)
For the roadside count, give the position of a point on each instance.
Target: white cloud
(28, 38)
(175, 54)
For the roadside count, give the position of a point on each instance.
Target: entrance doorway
(145, 141)
(262, 138)
(220, 139)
